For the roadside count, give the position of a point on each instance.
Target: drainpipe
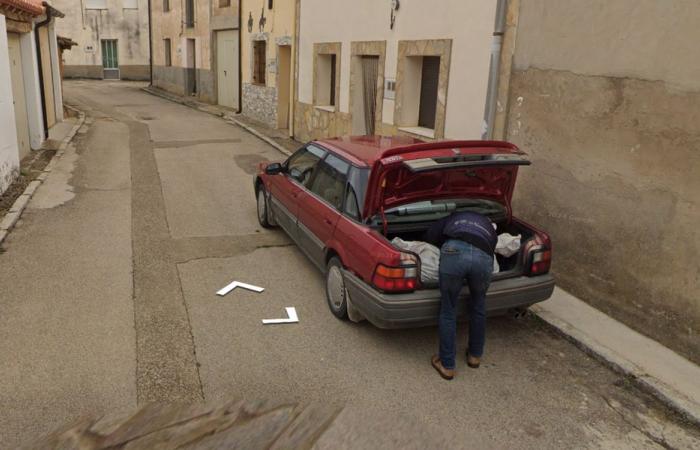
(240, 59)
(150, 45)
(495, 69)
(42, 92)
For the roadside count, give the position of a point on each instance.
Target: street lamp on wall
(395, 5)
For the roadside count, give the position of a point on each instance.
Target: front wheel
(336, 295)
(263, 209)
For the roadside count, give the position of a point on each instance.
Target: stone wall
(615, 176)
(260, 103)
(83, 71)
(172, 79)
(313, 123)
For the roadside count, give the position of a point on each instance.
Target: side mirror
(274, 169)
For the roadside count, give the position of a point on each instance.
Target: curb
(18, 207)
(230, 118)
(667, 395)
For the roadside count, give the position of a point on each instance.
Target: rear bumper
(421, 308)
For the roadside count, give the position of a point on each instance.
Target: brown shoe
(447, 374)
(473, 361)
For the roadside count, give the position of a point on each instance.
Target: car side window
(301, 165)
(330, 179)
(351, 208)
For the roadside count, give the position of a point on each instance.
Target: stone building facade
(268, 44)
(111, 37)
(608, 107)
(196, 49)
(393, 68)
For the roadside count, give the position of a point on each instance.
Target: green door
(110, 59)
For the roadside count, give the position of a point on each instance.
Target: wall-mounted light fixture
(395, 5)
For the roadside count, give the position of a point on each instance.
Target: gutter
(150, 44)
(495, 69)
(42, 91)
(240, 59)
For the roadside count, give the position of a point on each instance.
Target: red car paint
(360, 248)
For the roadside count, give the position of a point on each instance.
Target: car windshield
(437, 209)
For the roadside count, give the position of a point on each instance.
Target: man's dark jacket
(469, 227)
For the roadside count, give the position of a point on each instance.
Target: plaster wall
(468, 23)
(30, 70)
(88, 27)
(605, 97)
(9, 152)
(278, 28)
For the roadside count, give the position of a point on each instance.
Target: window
(166, 5)
(430, 76)
(329, 181)
(259, 48)
(301, 165)
(189, 13)
(96, 4)
(355, 192)
(326, 79)
(224, 3)
(130, 4)
(168, 54)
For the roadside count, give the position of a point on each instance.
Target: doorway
(191, 69)
(227, 68)
(110, 59)
(284, 86)
(366, 78)
(20, 105)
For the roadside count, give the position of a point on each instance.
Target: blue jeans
(459, 261)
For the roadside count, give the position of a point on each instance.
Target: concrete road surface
(107, 301)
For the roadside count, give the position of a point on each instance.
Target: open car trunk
(510, 267)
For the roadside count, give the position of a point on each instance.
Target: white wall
(88, 27)
(56, 70)
(9, 152)
(30, 70)
(469, 23)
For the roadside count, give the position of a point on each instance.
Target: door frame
(368, 48)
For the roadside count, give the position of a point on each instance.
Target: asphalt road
(108, 300)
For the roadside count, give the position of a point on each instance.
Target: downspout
(495, 69)
(150, 45)
(42, 92)
(240, 59)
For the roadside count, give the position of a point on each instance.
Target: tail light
(538, 255)
(401, 278)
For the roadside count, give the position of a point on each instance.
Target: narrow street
(109, 302)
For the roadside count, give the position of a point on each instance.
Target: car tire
(263, 208)
(336, 294)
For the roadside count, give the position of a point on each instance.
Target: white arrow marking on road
(236, 284)
(291, 313)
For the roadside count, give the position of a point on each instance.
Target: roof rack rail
(506, 146)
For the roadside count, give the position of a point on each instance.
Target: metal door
(227, 67)
(20, 105)
(110, 59)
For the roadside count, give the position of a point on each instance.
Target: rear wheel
(263, 208)
(336, 295)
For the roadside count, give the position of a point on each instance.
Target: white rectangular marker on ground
(235, 284)
(291, 313)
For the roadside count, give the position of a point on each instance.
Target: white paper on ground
(235, 284)
(291, 313)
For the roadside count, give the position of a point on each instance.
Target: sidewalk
(668, 376)
(274, 137)
(655, 368)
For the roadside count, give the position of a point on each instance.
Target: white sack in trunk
(508, 245)
(429, 258)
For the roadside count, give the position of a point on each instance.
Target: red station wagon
(342, 201)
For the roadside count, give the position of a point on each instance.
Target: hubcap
(335, 287)
(261, 206)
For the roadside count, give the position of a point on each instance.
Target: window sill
(325, 108)
(419, 131)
